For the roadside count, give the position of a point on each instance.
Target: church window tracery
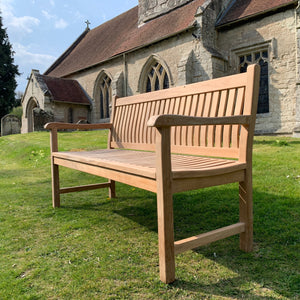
(260, 57)
(105, 96)
(157, 78)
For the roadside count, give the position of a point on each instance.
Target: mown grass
(94, 247)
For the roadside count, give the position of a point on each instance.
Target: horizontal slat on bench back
(219, 97)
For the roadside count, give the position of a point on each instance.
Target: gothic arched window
(105, 96)
(157, 78)
(261, 58)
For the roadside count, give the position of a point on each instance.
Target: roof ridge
(67, 52)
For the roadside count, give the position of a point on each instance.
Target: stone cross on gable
(87, 22)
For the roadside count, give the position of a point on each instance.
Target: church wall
(88, 79)
(277, 34)
(61, 112)
(174, 52)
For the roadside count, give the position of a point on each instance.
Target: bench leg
(166, 237)
(55, 185)
(246, 213)
(112, 189)
(165, 206)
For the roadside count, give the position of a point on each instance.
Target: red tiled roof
(243, 9)
(65, 90)
(122, 34)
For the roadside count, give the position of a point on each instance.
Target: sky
(41, 30)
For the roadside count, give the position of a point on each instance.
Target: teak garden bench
(192, 136)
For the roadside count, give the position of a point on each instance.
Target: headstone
(10, 124)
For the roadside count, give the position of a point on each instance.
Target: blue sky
(41, 30)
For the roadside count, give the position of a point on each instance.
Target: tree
(8, 72)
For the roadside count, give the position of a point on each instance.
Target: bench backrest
(227, 96)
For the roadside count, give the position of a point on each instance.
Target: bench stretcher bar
(208, 237)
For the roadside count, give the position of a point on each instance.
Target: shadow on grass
(272, 266)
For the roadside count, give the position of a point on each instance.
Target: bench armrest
(60, 126)
(180, 120)
(54, 127)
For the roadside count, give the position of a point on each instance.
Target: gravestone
(10, 124)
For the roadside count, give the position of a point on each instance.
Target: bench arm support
(180, 120)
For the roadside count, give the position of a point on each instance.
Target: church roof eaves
(242, 11)
(122, 35)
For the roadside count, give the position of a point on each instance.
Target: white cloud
(25, 23)
(23, 56)
(61, 24)
(58, 23)
(22, 24)
(47, 15)
(52, 3)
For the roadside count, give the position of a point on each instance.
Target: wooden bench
(193, 136)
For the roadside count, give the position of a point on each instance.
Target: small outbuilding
(49, 98)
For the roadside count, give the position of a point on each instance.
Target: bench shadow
(199, 211)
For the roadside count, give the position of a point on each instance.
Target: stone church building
(163, 43)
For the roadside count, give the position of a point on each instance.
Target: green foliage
(8, 72)
(17, 111)
(94, 247)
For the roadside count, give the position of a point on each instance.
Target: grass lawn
(94, 247)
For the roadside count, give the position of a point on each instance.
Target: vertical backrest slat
(180, 129)
(117, 119)
(238, 110)
(174, 136)
(145, 127)
(123, 123)
(141, 122)
(221, 113)
(135, 114)
(193, 112)
(229, 112)
(213, 113)
(199, 113)
(156, 112)
(150, 129)
(189, 129)
(206, 112)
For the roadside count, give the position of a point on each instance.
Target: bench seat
(142, 163)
